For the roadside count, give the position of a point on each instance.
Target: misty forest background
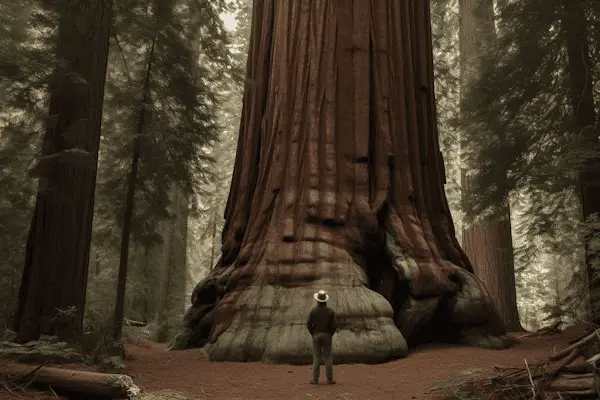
(506, 128)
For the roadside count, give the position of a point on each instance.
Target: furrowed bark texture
(489, 246)
(338, 184)
(488, 240)
(52, 294)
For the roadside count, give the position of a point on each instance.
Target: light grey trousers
(322, 351)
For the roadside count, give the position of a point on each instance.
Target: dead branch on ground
(571, 373)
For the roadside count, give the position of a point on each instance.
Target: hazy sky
(229, 20)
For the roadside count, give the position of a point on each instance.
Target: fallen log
(572, 372)
(579, 393)
(572, 383)
(130, 322)
(71, 381)
(579, 366)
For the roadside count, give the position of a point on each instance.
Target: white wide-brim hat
(321, 296)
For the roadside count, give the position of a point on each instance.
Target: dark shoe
(313, 382)
(330, 382)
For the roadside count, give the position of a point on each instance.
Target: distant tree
(531, 126)
(53, 286)
(25, 67)
(209, 206)
(487, 238)
(446, 45)
(173, 90)
(586, 129)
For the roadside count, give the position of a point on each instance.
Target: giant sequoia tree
(338, 184)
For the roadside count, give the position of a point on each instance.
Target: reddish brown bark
(489, 247)
(58, 246)
(574, 24)
(338, 184)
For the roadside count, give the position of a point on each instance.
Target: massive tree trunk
(53, 285)
(581, 82)
(338, 185)
(486, 240)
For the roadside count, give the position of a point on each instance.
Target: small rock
(8, 336)
(48, 338)
(40, 351)
(9, 345)
(114, 363)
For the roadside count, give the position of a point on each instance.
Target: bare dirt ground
(184, 375)
(189, 373)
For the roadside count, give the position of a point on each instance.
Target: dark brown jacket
(321, 319)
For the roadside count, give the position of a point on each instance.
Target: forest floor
(183, 375)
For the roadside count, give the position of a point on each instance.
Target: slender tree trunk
(489, 246)
(165, 268)
(139, 302)
(574, 24)
(53, 284)
(129, 199)
(338, 185)
(173, 268)
(487, 241)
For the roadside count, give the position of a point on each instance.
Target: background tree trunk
(488, 240)
(165, 265)
(58, 246)
(338, 185)
(178, 293)
(144, 113)
(489, 244)
(172, 268)
(574, 24)
(141, 295)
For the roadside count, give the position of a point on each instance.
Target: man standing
(322, 324)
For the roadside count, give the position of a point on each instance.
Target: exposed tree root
(569, 373)
(547, 330)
